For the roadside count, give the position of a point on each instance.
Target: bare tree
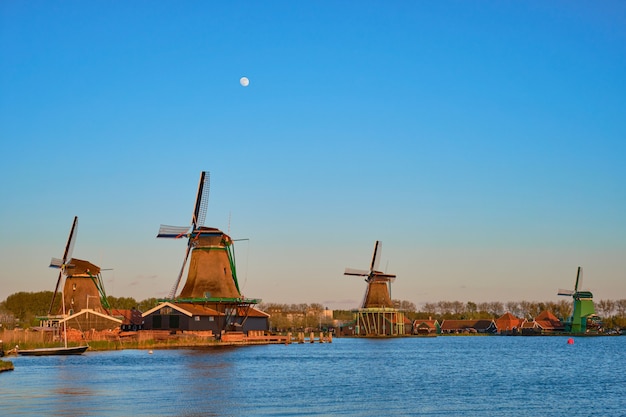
(513, 307)
(496, 308)
(430, 308)
(606, 307)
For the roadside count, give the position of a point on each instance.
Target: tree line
(300, 316)
(25, 307)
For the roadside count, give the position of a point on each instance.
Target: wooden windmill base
(379, 322)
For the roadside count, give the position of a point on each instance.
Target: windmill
(212, 273)
(377, 294)
(83, 287)
(377, 315)
(583, 316)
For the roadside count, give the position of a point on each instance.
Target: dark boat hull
(78, 350)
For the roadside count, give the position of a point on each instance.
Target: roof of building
(194, 309)
(529, 324)
(132, 316)
(89, 311)
(508, 322)
(432, 324)
(254, 312)
(548, 321)
(188, 309)
(481, 324)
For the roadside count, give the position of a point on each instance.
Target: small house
(508, 324)
(425, 327)
(468, 326)
(131, 319)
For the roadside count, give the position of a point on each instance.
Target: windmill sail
(202, 200)
(69, 248)
(356, 272)
(378, 247)
(174, 232)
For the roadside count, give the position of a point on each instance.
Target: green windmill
(583, 318)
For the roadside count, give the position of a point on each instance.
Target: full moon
(244, 81)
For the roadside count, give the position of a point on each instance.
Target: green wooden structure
(583, 318)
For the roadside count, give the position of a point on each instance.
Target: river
(442, 376)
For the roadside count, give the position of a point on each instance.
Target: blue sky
(482, 142)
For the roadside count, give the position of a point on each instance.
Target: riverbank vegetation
(22, 309)
(6, 366)
(298, 316)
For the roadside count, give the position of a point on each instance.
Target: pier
(260, 337)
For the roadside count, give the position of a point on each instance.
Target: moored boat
(76, 350)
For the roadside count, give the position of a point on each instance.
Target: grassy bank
(6, 366)
(141, 340)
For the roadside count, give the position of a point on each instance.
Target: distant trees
(23, 308)
(26, 306)
(613, 313)
(494, 309)
(147, 304)
(294, 317)
(404, 305)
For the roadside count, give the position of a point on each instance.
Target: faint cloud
(141, 278)
(341, 302)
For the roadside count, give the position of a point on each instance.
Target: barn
(199, 317)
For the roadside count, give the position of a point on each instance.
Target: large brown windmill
(212, 277)
(83, 287)
(211, 272)
(377, 315)
(377, 294)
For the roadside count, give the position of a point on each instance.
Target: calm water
(443, 376)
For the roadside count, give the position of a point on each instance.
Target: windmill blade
(69, 247)
(565, 292)
(579, 279)
(378, 247)
(173, 232)
(172, 293)
(385, 276)
(67, 254)
(356, 272)
(56, 290)
(202, 201)
(56, 263)
(381, 277)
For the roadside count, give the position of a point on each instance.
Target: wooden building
(425, 327)
(84, 320)
(197, 317)
(544, 323)
(468, 326)
(132, 320)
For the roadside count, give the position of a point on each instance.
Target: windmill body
(377, 315)
(80, 290)
(210, 272)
